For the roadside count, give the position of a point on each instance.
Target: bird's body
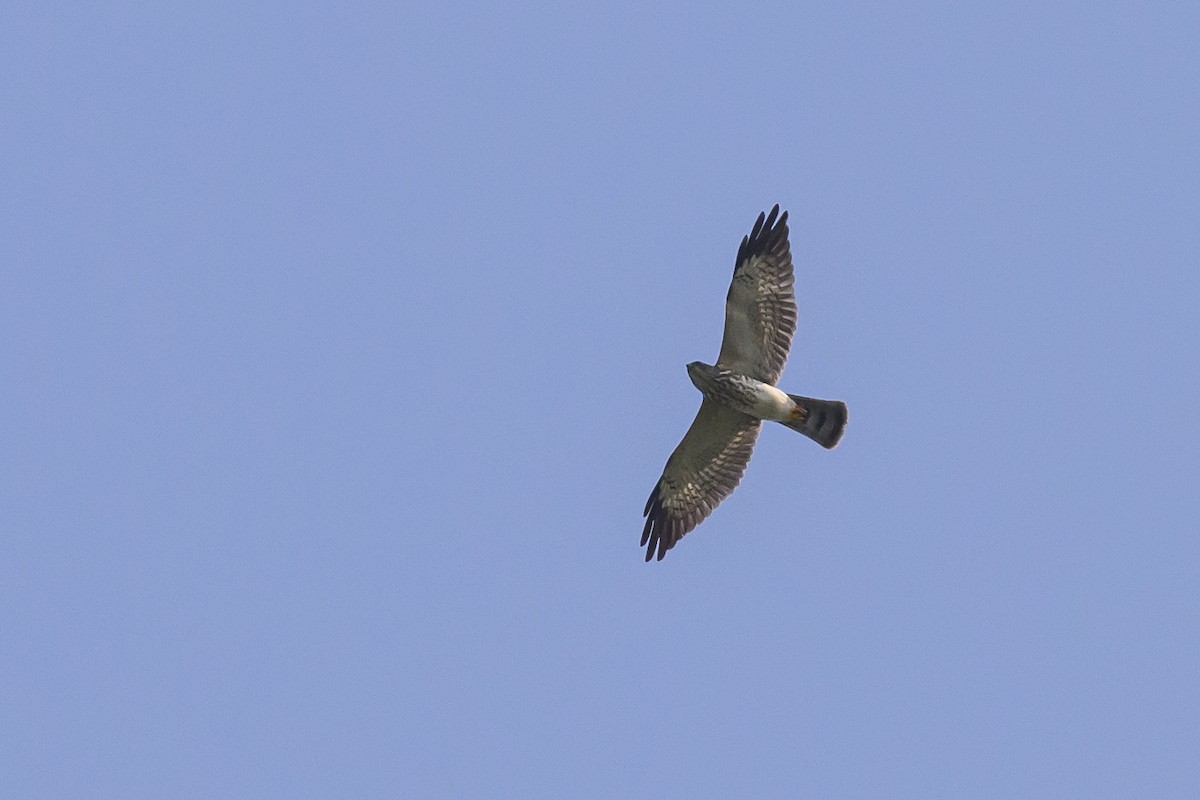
(739, 392)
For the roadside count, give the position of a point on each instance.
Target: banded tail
(823, 421)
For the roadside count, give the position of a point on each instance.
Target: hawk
(739, 392)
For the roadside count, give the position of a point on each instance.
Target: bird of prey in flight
(739, 392)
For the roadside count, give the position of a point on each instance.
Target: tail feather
(823, 421)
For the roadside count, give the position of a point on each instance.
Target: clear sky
(341, 345)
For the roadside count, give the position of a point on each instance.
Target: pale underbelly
(757, 399)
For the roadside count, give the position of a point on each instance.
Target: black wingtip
(651, 531)
(666, 537)
(770, 223)
(770, 233)
(659, 532)
(758, 225)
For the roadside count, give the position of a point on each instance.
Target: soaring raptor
(739, 392)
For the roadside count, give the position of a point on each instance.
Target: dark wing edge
(705, 468)
(760, 308)
(765, 237)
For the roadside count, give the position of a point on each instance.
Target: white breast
(770, 403)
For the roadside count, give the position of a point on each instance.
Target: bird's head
(701, 373)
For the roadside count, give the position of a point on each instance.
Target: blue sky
(343, 344)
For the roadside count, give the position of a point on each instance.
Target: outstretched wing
(704, 469)
(760, 309)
